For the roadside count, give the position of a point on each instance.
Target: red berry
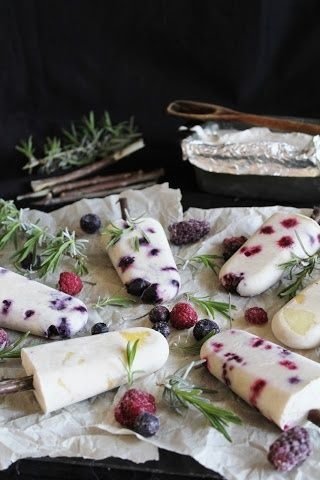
(70, 283)
(133, 403)
(183, 315)
(231, 245)
(256, 316)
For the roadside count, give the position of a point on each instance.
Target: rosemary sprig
(207, 260)
(64, 244)
(113, 301)
(195, 347)
(211, 307)
(115, 233)
(179, 394)
(13, 350)
(80, 145)
(131, 351)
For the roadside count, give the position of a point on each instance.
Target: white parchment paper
(88, 429)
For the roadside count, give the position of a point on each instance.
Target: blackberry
(31, 262)
(160, 313)
(146, 424)
(137, 286)
(231, 245)
(99, 327)
(162, 327)
(188, 231)
(203, 327)
(290, 449)
(90, 223)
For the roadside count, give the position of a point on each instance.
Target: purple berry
(3, 338)
(150, 294)
(90, 223)
(160, 313)
(188, 231)
(31, 262)
(99, 327)
(125, 262)
(146, 424)
(290, 449)
(203, 327)
(64, 328)
(162, 327)
(137, 286)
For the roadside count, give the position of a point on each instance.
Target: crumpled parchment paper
(88, 429)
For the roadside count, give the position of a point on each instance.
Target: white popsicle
(27, 305)
(297, 324)
(255, 266)
(283, 385)
(144, 262)
(69, 371)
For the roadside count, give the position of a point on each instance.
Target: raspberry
(231, 245)
(3, 338)
(183, 316)
(146, 424)
(160, 313)
(90, 223)
(133, 403)
(256, 316)
(204, 327)
(230, 281)
(70, 283)
(290, 449)
(188, 231)
(162, 327)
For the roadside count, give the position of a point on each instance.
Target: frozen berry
(231, 245)
(90, 223)
(256, 316)
(70, 283)
(31, 262)
(160, 313)
(132, 404)
(146, 424)
(3, 338)
(137, 286)
(183, 315)
(163, 328)
(203, 327)
(99, 327)
(230, 281)
(150, 294)
(290, 449)
(188, 231)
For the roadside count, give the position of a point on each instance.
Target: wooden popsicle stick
(12, 385)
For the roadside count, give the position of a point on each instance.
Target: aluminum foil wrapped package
(232, 161)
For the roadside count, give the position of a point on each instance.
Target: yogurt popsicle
(143, 260)
(297, 324)
(283, 385)
(26, 305)
(69, 371)
(255, 266)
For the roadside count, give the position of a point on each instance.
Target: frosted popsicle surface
(283, 385)
(144, 262)
(297, 323)
(69, 371)
(27, 305)
(255, 267)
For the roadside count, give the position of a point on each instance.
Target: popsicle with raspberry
(69, 371)
(256, 266)
(282, 385)
(27, 305)
(141, 255)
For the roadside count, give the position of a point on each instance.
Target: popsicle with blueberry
(282, 385)
(69, 371)
(141, 255)
(27, 305)
(256, 266)
(297, 323)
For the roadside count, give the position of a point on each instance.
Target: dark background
(61, 59)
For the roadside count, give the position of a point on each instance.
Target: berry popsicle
(297, 324)
(282, 385)
(255, 267)
(141, 255)
(69, 371)
(26, 305)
